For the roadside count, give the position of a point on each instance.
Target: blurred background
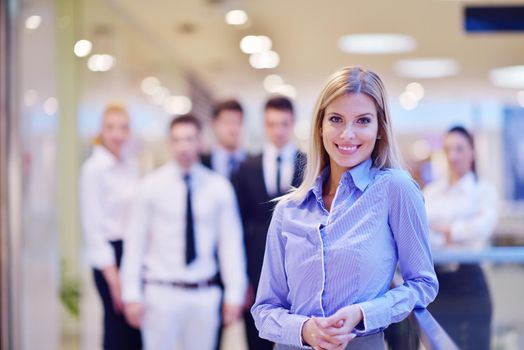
(64, 60)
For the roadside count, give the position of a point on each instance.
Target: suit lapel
(258, 177)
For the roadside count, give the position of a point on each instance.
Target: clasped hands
(334, 332)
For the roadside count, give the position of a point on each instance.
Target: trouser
(401, 336)
(220, 331)
(463, 306)
(368, 342)
(176, 316)
(254, 342)
(118, 334)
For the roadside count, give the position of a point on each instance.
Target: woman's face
(459, 153)
(349, 130)
(115, 131)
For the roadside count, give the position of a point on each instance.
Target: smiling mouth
(348, 149)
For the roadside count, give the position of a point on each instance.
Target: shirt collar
(193, 172)
(465, 182)
(288, 152)
(359, 176)
(102, 153)
(221, 152)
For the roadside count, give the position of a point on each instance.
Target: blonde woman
(108, 180)
(335, 241)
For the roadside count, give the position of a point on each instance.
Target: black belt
(189, 285)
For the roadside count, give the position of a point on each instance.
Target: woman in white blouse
(462, 215)
(108, 180)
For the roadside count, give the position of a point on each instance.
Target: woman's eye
(335, 119)
(364, 120)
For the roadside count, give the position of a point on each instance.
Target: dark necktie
(232, 165)
(279, 180)
(190, 234)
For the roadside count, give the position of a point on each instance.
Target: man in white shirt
(260, 179)
(226, 155)
(184, 215)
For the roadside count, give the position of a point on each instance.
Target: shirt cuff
(132, 295)
(374, 316)
(292, 331)
(234, 296)
(102, 258)
(362, 327)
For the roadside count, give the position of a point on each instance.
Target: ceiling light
(264, 60)
(272, 81)
(416, 89)
(254, 44)
(407, 101)
(376, 43)
(100, 63)
(177, 105)
(286, 90)
(427, 68)
(421, 150)
(150, 85)
(83, 48)
(33, 22)
(509, 77)
(160, 96)
(51, 106)
(520, 98)
(236, 17)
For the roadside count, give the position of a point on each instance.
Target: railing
(493, 254)
(429, 331)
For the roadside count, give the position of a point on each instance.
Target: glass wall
(62, 61)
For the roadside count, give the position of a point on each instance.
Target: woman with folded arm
(462, 213)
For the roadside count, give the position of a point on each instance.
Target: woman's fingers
(327, 345)
(334, 331)
(339, 339)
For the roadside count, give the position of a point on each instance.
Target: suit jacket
(256, 208)
(205, 159)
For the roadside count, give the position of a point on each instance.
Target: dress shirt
(269, 162)
(220, 159)
(155, 246)
(317, 262)
(106, 190)
(468, 206)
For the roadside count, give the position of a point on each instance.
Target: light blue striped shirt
(317, 262)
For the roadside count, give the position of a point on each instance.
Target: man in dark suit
(260, 179)
(226, 155)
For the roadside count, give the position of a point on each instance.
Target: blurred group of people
(178, 254)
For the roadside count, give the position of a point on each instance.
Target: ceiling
(193, 34)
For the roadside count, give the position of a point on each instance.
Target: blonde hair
(348, 80)
(112, 107)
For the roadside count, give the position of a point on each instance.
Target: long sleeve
(99, 251)
(135, 247)
(481, 225)
(408, 223)
(231, 248)
(271, 310)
